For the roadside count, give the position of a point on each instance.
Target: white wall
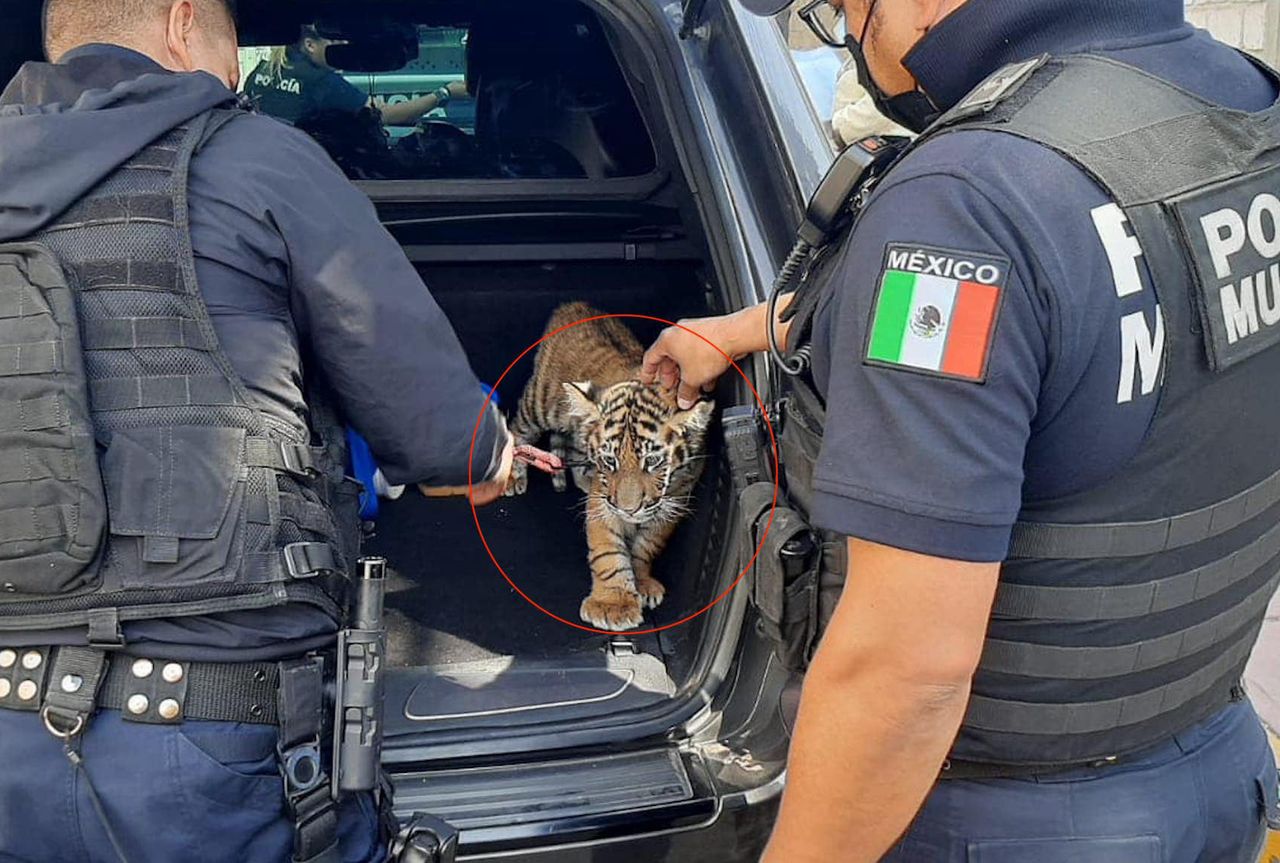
(1253, 25)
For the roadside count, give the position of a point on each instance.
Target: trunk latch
(622, 647)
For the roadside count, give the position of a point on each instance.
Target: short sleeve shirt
(944, 418)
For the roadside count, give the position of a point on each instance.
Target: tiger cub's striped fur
(639, 455)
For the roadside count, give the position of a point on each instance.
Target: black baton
(357, 726)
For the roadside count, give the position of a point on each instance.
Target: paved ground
(1263, 675)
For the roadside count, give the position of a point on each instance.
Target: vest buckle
(297, 460)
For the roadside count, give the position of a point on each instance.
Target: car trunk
(468, 650)
(562, 179)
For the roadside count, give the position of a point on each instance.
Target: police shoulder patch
(935, 311)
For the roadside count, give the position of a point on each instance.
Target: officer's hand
(482, 493)
(457, 89)
(486, 493)
(681, 360)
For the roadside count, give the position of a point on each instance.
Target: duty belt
(143, 690)
(67, 685)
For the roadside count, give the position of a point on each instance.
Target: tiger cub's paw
(651, 591)
(518, 483)
(613, 608)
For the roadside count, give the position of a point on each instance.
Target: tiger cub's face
(645, 451)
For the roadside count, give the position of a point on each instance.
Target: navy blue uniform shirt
(300, 87)
(942, 465)
(295, 269)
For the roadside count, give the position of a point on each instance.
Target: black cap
(765, 7)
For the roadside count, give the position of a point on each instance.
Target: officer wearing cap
(1042, 361)
(175, 523)
(297, 80)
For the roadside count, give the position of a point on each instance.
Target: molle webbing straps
(213, 504)
(37, 414)
(1135, 538)
(1119, 601)
(1092, 663)
(1086, 717)
(136, 333)
(130, 274)
(142, 392)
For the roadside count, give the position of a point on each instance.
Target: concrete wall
(1253, 25)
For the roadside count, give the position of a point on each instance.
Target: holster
(784, 584)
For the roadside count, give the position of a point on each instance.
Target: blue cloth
(292, 261)
(1203, 797)
(941, 466)
(363, 468)
(196, 791)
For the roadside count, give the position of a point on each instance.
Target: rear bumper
(650, 805)
(728, 835)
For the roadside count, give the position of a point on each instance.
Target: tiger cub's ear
(580, 398)
(695, 420)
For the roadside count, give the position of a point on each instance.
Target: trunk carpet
(447, 603)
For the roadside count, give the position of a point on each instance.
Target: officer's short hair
(69, 23)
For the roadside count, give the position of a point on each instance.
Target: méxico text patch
(935, 311)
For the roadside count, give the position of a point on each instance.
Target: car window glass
(540, 99)
(819, 65)
(831, 83)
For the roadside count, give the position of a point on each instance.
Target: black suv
(649, 157)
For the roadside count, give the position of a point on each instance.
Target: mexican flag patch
(936, 310)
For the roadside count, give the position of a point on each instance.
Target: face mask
(913, 109)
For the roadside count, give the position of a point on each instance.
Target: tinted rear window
(537, 93)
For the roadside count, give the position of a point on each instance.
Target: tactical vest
(1127, 612)
(137, 480)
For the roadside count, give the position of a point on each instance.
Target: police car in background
(441, 61)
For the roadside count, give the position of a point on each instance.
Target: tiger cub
(634, 454)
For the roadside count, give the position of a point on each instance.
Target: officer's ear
(179, 31)
(200, 37)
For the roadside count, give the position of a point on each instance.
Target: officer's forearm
(866, 752)
(406, 113)
(882, 702)
(750, 334)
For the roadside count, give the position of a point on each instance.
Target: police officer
(297, 80)
(1049, 438)
(170, 599)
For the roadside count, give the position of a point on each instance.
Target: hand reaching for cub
(482, 493)
(680, 360)
(487, 492)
